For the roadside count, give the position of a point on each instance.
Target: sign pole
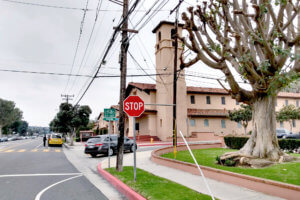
(109, 130)
(134, 151)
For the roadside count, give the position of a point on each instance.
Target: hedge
(238, 142)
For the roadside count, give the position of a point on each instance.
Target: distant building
(199, 110)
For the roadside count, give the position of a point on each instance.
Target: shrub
(239, 142)
(235, 142)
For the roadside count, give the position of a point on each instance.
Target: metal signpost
(109, 115)
(134, 107)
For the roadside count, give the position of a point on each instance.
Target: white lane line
(38, 146)
(23, 175)
(38, 196)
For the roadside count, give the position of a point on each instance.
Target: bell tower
(164, 53)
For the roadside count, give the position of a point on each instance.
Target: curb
(119, 185)
(67, 146)
(274, 188)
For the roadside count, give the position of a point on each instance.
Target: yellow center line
(46, 150)
(12, 146)
(57, 150)
(8, 151)
(34, 150)
(22, 150)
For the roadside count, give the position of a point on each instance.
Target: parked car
(3, 139)
(281, 132)
(99, 145)
(292, 136)
(55, 139)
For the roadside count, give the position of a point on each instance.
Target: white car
(281, 132)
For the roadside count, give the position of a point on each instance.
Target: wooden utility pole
(67, 97)
(123, 69)
(175, 37)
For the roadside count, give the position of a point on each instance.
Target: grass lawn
(286, 172)
(154, 187)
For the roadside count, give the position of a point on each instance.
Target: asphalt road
(29, 171)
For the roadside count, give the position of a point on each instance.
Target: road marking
(18, 144)
(46, 150)
(38, 196)
(22, 150)
(38, 146)
(11, 150)
(34, 150)
(57, 150)
(24, 175)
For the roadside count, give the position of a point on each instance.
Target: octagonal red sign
(133, 106)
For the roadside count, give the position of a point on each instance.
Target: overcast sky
(44, 39)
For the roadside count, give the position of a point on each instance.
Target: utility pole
(67, 97)
(175, 36)
(123, 69)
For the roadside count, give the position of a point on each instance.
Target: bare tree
(260, 42)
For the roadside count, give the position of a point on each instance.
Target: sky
(44, 39)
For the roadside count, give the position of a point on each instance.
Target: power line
(89, 40)
(111, 42)
(46, 73)
(78, 42)
(48, 6)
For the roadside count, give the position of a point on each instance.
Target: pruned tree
(242, 115)
(259, 41)
(288, 113)
(9, 113)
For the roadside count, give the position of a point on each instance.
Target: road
(29, 171)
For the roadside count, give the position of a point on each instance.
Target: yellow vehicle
(55, 139)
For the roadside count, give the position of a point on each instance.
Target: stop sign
(133, 106)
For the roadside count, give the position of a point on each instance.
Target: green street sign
(109, 114)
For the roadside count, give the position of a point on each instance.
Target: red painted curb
(119, 185)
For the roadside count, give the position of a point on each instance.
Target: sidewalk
(220, 190)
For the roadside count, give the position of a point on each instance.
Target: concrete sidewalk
(220, 190)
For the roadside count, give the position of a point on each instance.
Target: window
(223, 125)
(159, 36)
(206, 123)
(286, 102)
(207, 99)
(297, 103)
(192, 99)
(239, 125)
(281, 124)
(192, 122)
(294, 123)
(137, 126)
(173, 33)
(223, 100)
(237, 103)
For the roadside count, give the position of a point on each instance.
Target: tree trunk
(245, 130)
(0, 131)
(72, 138)
(263, 142)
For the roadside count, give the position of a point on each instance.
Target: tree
(242, 115)
(288, 113)
(259, 42)
(9, 113)
(19, 126)
(69, 119)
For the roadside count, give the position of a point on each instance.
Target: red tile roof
(207, 112)
(203, 90)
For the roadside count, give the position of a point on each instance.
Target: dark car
(292, 136)
(99, 145)
(281, 132)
